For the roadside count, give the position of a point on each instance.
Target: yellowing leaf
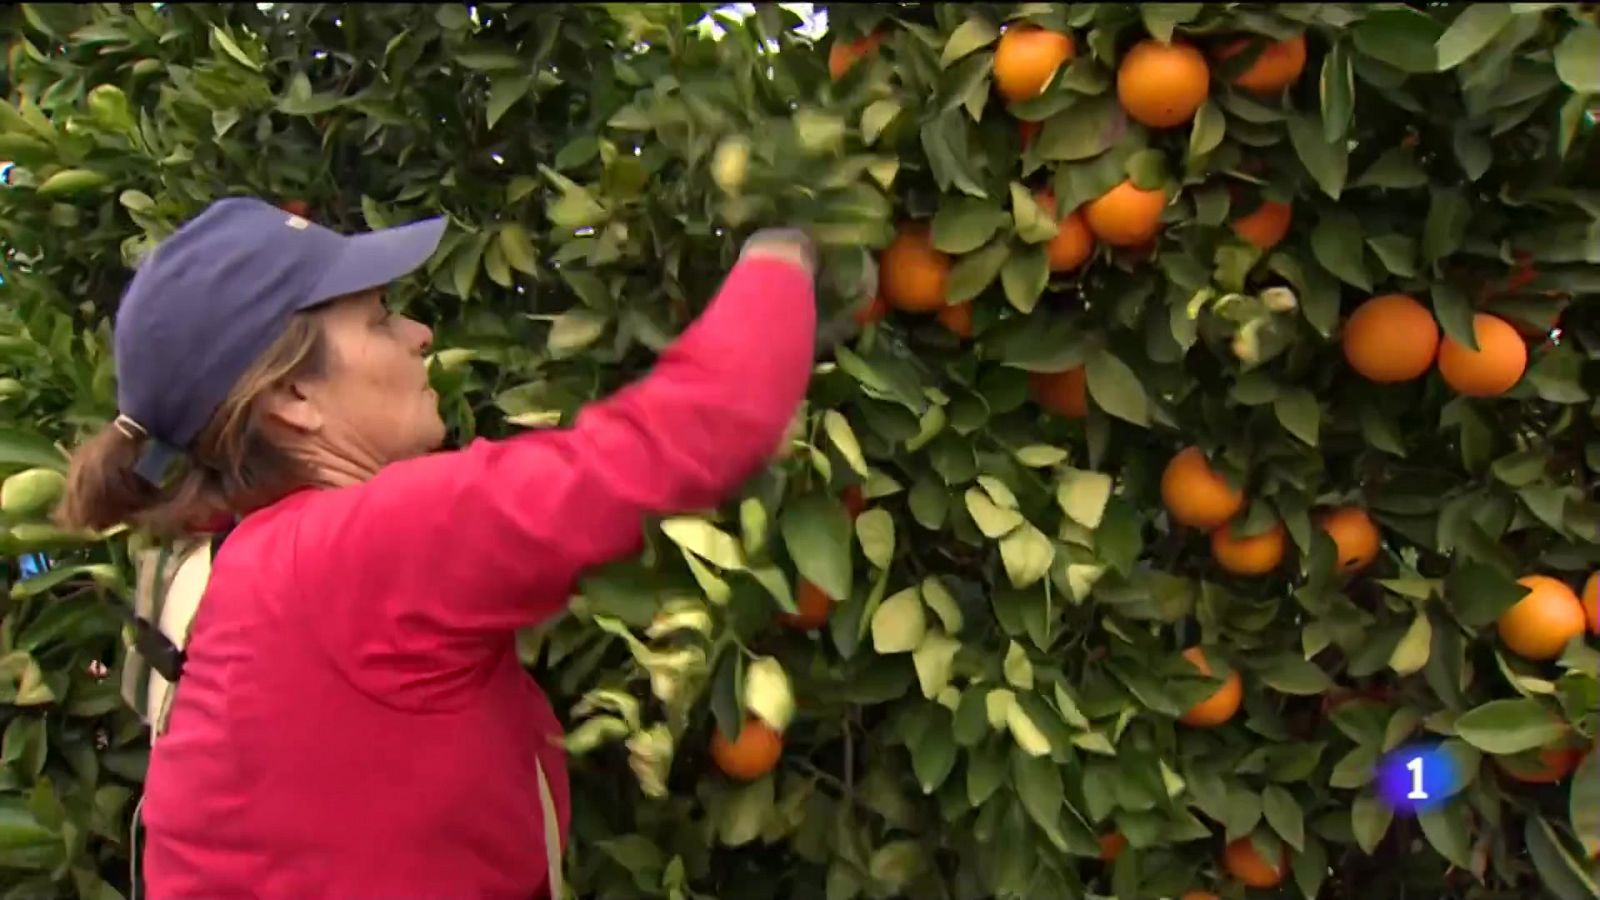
(899, 624)
(839, 431)
(993, 520)
(1027, 555)
(574, 330)
(1018, 669)
(1411, 654)
(1083, 496)
(997, 706)
(704, 540)
(933, 658)
(1027, 734)
(938, 598)
(1081, 579)
(875, 531)
(767, 694)
(998, 492)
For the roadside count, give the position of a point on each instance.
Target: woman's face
(375, 405)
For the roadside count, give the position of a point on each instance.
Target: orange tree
(1225, 420)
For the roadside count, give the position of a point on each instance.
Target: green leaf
(1472, 151)
(1299, 414)
(1583, 804)
(1479, 594)
(1040, 789)
(1338, 92)
(226, 44)
(1338, 246)
(877, 117)
(1455, 314)
(973, 34)
(1284, 815)
(1397, 252)
(1447, 829)
(1471, 32)
(964, 224)
(576, 329)
(746, 811)
(1291, 674)
(816, 531)
(933, 757)
(976, 271)
(1210, 126)
(1369, 820)
(1578, 58)
(1446, 225)
(1328, 162)
(1161, 18)
(1024, 278)
(1563, 875)
(1503, 727)
(1400, 37)
(504, 92)
(1396, 169)
(1116, 389)
(1087, 129)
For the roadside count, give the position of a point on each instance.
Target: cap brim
(376, 258)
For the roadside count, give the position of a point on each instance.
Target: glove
(785, 238)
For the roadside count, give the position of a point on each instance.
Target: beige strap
(189, 575)
(552, 838)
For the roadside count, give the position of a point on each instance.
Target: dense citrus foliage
(949, 646)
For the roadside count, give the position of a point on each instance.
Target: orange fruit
(296, 208)
(1257, 554)
(1063, 393)
(1112, 845)
(1355, 536)
(1591, 602)
(1195, 495)
(1555, 764)
(812, 604)
(1538, 626)
(1222, 704)
(912, 275)
(844, 54)
(1073, 244)
(1276, 66)
(753, 755)
(1390, 339)
(1125, 216)
(1265, 226)
(854, 500)
(872, 312)
(1026, 58)
(957, 318)
(1161, 85)
(1244, 863)
(1494, 368)
(1199, 895)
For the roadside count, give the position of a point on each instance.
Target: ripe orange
(1355, 536)
(753, 755)
(296, 208)
(1161, 85)
(1390, 339)
(1026, 58)
(1073, 244)
(1257, 554)
(1199, 895)
(854, 500)
(958, 319)
(844, 54)
(1112, 845)
(1276, 66)
(1555, 764)
(813, 607)
(872, 312)
(1494, 368)
(1244, 863)
(1538, 626)
(1591, 602)
(1265, 226)
(1195, 495)
(1222, 704)
(912, 275)
(1063, 393)
(1125, 216)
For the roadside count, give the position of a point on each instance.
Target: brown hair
(233, 466)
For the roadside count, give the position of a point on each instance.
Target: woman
(352, 720)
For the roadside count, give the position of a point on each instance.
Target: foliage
(1000, 682)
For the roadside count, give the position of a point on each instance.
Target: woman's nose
(423, 336)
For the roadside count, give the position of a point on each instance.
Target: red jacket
(352, 720)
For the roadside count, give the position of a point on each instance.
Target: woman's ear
(292, 406)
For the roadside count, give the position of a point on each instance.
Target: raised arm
(492, 537)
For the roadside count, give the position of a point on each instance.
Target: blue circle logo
(1417, 778)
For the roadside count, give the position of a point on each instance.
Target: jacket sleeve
(436, 553)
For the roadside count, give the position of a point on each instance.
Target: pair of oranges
(1392, 338)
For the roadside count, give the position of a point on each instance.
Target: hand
(787, 244)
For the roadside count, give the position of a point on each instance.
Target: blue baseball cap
(209, 300)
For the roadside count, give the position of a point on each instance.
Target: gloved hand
(782, 243)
